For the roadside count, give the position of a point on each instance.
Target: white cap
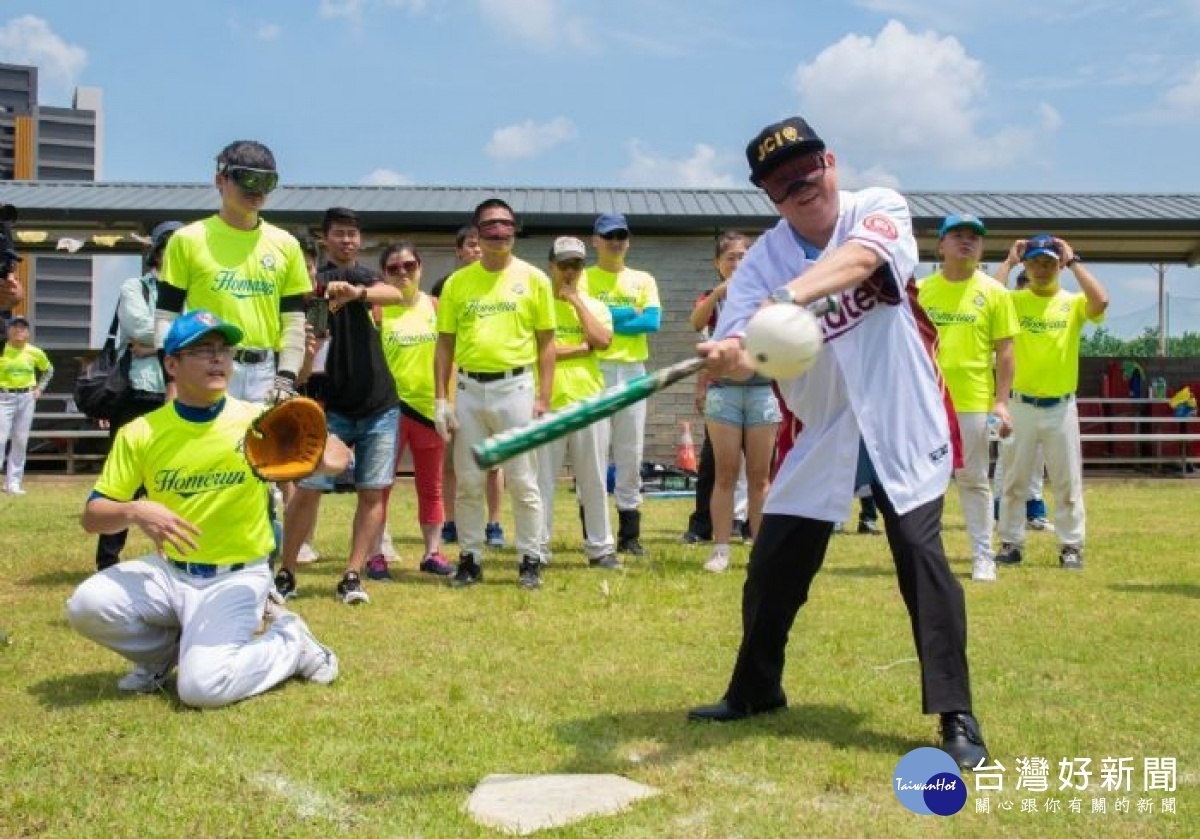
(567, 247)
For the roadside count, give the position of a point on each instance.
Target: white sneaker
(141, 679)
(1040, 523)
(385, 547)
(15, 489)
(307, 554)
(318, 663)
(718, 560)
(983, 570)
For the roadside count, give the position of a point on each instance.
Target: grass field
(594, 673)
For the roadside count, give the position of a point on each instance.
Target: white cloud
(529, 139)
(353, 10)
(1182, 102)
(29, 40)
(268, 31)
(906, 96)
(540, 22)
(702, 170)
(1051, 119)
(386, 177)
(852, 178)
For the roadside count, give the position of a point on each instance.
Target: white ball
(783, 340)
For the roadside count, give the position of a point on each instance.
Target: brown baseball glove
(286, 442)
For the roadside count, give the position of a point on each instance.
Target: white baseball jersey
(875, 381)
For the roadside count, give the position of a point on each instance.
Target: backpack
(103, 384)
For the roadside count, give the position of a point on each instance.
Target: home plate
(523, 804)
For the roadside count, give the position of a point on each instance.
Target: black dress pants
(786, 556)
(700, 520)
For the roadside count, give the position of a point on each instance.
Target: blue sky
(1075, 95)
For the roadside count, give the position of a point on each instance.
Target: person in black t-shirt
(361, 405)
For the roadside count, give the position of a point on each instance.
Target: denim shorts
(742, 406)
(373, 440)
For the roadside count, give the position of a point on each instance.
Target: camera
(8, 256)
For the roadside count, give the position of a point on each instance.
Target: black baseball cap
(778, 142)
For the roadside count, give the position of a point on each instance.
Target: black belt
(495, 377)
(251, 356)
(15, 389)
(1043, 401)
(203, 569)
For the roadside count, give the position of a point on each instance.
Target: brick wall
(683, 268)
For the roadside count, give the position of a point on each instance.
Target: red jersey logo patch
(881, 224)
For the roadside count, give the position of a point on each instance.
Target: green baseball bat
(508, 444)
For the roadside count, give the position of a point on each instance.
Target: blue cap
(957, 220)
(609, 222)
(190, 328)
(19, 320)
(1041, 244)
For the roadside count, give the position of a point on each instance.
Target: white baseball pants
(1035, 482)
(252, 382)
(155, 615)
(628, 433)
(587, 447)
(1056, 429)
(483, 409)
(974, 489)
(16, 418)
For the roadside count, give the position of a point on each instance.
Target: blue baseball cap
(957, 220)
(190, 328)
(1041, 244)
(609, 222)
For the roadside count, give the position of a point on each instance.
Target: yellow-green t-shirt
(1047, 347)
(970, 316)
(628, 288)
(494, 315)
(409, 335)
(580, 377)
(20, 368)
(198, 471)
(238, 275)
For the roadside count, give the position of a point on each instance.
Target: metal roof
(1125, 227)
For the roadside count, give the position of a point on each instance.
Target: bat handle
(824, 306)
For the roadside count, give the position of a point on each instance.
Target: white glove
(444, 419)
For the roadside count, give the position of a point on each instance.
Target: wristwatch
(783, 294)
(1074, 258)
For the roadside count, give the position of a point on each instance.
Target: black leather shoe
(962, 740)
(723, 711)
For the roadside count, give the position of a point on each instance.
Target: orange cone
(685, 454)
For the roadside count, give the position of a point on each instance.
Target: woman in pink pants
(409, 334)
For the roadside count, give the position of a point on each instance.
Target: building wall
(51, 144)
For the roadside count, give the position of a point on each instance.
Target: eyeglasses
(615, 236)
(570, 265)
(497, 222)
(253, 181)
(209, 352)
(791, 176)
(408, 266)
